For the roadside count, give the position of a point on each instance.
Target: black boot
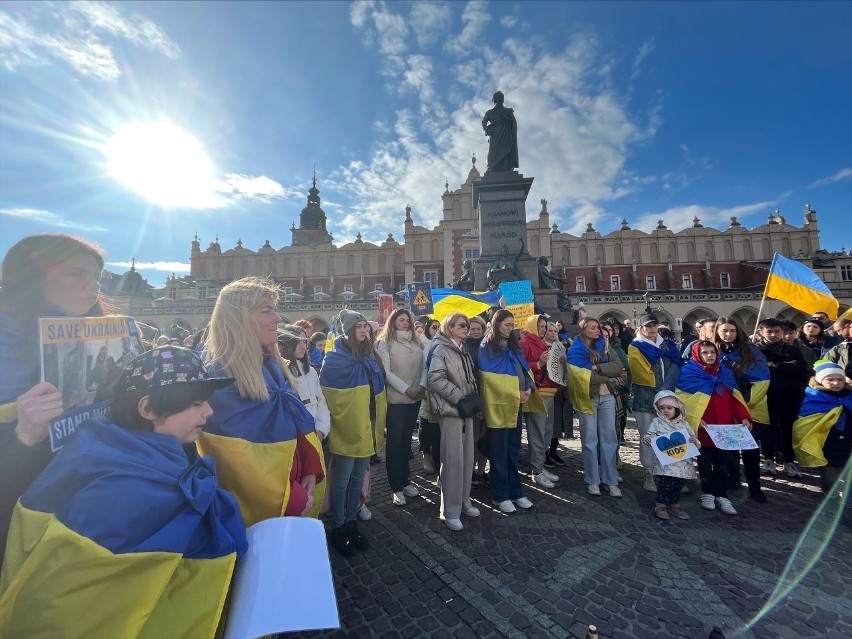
(341, 542)
(357, 540)
(553, 454)
(756, 493)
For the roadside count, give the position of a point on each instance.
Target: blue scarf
(654, 353)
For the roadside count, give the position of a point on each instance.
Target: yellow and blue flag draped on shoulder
(121, 536)
(642, 356)
(580, 372)
(820, 412)
(758, 374)
(357, 400)
(695, 386)
(254, 443)
(795, 284)
(448, 300)
(500, 387)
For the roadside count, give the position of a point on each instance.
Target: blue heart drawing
(665, 443)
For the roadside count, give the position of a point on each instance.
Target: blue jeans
(346, 487)
(401, 420)
(505, 448)
(599, 437)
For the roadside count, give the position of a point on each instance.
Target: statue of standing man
(501, 127)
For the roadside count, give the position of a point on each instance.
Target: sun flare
(163, 164)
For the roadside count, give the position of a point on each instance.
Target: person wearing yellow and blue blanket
(747, 363)
(822, 435)
(353, 383)
(508, 391)
(654, 366)
(262, 437)
(595, 374)
(126, 533)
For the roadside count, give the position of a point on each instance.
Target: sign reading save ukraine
(519, 299)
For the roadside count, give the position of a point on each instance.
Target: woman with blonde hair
(402, 357)
(451, 378)
(263, 438)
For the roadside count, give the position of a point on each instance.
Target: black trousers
(401, 420)
(430, 441)
(713, 471)
(668, 489)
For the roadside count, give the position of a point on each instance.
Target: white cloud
(841, 176)
(73, 33)
(49, 218)
(385, 29)
(509, 21)
(644, 51)
(474, 18)
(680, 217)
(429, 21)
(261, 187)
(169, 267)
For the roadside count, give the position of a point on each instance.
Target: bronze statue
(505, 270)
(548, 279)
(465, 282)
(501, 128)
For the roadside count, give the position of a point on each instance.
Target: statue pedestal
(501, 199)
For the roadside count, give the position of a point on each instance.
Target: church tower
(311, 231)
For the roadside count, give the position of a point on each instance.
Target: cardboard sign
(731, 436)
(519, 300)
(83, 357)
(420, 298)
(673, 447)
(556, 370)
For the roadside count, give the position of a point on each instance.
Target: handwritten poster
(673, 447)
(519, 300)
(556, 370)
(731, 436)
(83, 357)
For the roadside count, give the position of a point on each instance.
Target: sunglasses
(462, 325)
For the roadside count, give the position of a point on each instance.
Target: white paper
(283, 583)
(731, 436)
(556, 370)
(673, 447)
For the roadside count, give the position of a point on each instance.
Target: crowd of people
(252, 419)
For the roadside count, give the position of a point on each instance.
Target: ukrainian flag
(642, 356)
(797, 285)
(448, 300)
(349, 388)
(254, 444)
(500, 388)
(120, 536)
(580, 373)
(758, 374)
(820, 412)
(695, 386)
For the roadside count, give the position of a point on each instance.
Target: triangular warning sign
(420, 299)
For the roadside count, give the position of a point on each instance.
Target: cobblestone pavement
(575, 559)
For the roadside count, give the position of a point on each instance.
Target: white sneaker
(726, 506)
(768, 467)
(364, 513)
(549, 475)
(470, 511)
(398, 499)
(523, 502)
(542, 480)
(649, 484)
(594, 489)
(792, 470)
(708, 502)
(452, 524)
(505, 506)
(614, 491)
(410, 491)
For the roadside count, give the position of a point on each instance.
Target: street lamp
(647, 298)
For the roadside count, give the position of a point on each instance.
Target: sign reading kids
(673, 447)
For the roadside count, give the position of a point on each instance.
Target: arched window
(619, 253)
(690, 252)
(748, 253)
(316, 266)
(584, 255)
(456, 213)
(767, 249)
(350, 265)
(600, 254)
(435, 250)
(729, 250)
(806, 245)
(655, 253)
(673, 251)
(786, 247)
(708, 251)
(383, 263)
(535, 247)
(229, 270)
(397, 262)
(637, 252)
(566, 256)
(418, 250)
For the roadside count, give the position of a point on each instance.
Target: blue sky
(139, 124)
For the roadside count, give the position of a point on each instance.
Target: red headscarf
(711, 369)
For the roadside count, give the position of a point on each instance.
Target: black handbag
(469, 405)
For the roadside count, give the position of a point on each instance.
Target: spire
(133, 265)
(625, 225)
(473, 158)
(696, 223)
(407, 212)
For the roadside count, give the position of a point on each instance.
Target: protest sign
(283, 583)
(386, 307)
(556, 370)
(82, 357)
(420, 298)
(731, 436)
(519, 300)
(673, 447)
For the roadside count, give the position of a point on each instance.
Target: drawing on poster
(731, 436)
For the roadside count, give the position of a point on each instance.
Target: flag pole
(765, 285)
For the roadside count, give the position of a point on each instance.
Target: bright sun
(164, 164)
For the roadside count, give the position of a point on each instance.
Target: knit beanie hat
(823, 368)
(348, 319)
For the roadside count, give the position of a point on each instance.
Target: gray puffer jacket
(451, 376)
